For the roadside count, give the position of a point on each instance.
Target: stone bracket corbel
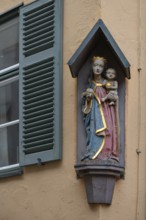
(99, 181)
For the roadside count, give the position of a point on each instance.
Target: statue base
(99, 181)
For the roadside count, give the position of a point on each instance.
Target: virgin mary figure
(99, 117)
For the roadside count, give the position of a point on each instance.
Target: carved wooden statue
(100, 113)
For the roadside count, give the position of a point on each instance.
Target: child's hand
(108, 85)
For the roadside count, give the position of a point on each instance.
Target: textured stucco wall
(52, 192)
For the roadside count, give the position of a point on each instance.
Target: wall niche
(99, 173)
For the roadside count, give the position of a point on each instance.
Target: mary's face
(98, 67)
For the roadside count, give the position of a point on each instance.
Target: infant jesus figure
(111, 85)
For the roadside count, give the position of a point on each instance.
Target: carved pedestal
(100, 178)
(99, 189)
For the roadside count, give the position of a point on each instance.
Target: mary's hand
(89, 90)
(89, 94)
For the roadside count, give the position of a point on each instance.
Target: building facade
(51, 190)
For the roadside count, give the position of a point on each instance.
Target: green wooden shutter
(40, 81)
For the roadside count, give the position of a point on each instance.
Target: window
(9, 46)
(30, 122)
(9, 119)
(9, 97)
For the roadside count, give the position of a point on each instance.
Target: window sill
(11, 170)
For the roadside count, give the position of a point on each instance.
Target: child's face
(110, 74)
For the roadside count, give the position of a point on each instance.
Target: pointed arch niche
(99, 176)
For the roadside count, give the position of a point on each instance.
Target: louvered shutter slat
(39, 38)
(36, 126)
(40, 148)
(46, 13)
(39, 137)
(36, 43)
(39, 103)
(31, 21)
(47, 66)
(44, 74)
(38, 10)
(37, 133)
(36, 83)
(38, 109)
(39, 142)
(38, 129)
(38, 21)
(36, 113)
(46, 86)
(38, 118)
(40, 82)
(45, 27)
(37, 98)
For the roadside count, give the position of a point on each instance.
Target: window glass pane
(9, 43)
(9, 102)
(9, 142)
